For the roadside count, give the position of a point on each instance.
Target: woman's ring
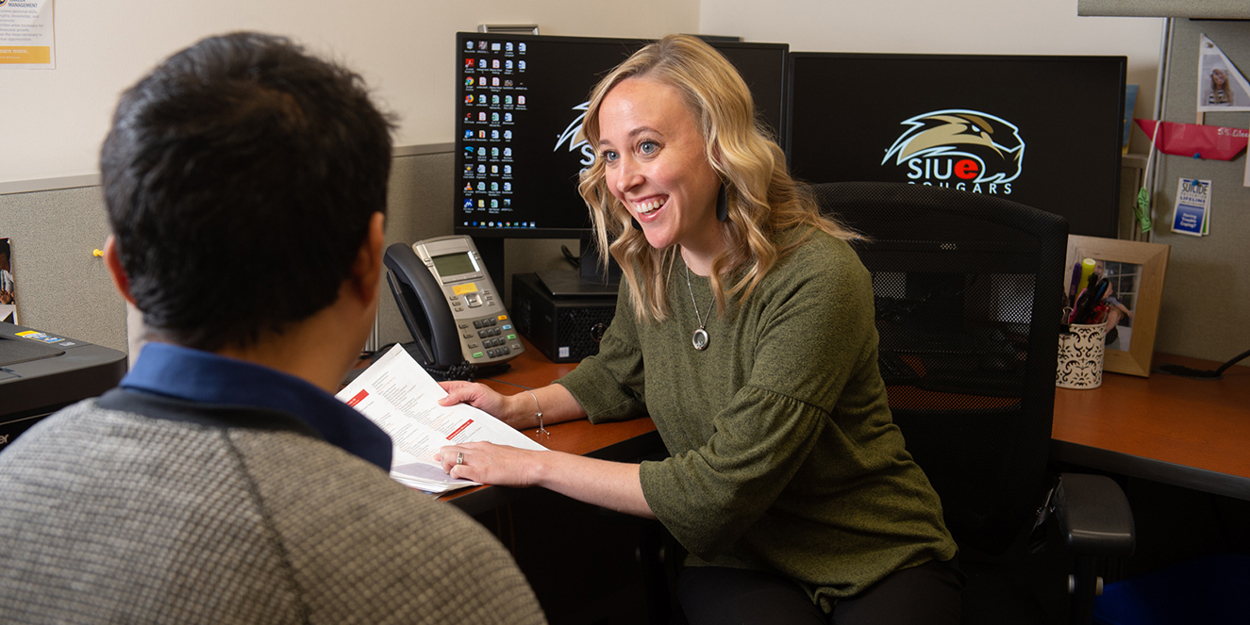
(459, 457)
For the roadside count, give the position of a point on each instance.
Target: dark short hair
(240, 177)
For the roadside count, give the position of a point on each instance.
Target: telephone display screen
(454, 264)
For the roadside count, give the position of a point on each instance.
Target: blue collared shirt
(198, 376)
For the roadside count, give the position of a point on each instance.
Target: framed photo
(1134, 272)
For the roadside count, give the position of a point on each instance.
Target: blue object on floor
(1211, 590)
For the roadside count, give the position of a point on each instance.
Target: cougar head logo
(991, 141)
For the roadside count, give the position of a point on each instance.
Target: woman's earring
(722, 204)
(637, 226)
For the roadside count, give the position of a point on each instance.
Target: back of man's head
(240, 177)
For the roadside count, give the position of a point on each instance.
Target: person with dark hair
(245, 183)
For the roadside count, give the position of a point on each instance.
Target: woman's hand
(489, 463)
(487, 400)
(615, 485)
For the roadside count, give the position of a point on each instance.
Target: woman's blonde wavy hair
(763, 199)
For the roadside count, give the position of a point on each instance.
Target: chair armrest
(1094, 516)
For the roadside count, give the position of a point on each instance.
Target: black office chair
(968, 299)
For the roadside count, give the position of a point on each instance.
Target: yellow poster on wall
(26, 38)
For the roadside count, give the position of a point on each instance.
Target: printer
(41, 372)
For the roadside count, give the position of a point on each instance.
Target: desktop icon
(507, 202)
(481, 63)
(495, 47)
(494, 186)
(507, 187)
(481, 81)
(481, 152)
(521, 47)
(507, 118)
(507, 46)
(468, 188)
(494, 135)
(468, 45)
(468, 170)
(468, 202)
(507, 170)
(481, 45)
(507, 65)
(468, 151)
(468, 134)
(520, 65)
(520, 100)
(507, 135)
(494, 82)
(507, 82)
(494, 152)
(468, 82)
(481, 186)
(481, 203)
(507, 100)
(494, 100)
(481, 169)
(494, 203)
(494, 64)
(494, 169)
(481, 99)
(494, 117)
(481, 116)
(468, 99)
(507, 152)
(481, 134)
(470, 63)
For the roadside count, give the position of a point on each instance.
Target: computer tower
(564, 328)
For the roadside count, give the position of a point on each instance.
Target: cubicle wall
(1206, 298)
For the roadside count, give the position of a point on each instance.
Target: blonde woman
(744, 328)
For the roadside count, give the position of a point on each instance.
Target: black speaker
(565, 329)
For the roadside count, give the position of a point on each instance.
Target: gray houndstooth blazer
(132, 508)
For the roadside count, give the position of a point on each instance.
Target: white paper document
(399, 396)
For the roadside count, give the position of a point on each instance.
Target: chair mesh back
(967, 290)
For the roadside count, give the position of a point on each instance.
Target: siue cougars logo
(961, 148)
(576, 140)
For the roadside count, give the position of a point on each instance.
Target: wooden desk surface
(1192, 433)
(624, 440)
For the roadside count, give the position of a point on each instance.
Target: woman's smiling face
(656, 165)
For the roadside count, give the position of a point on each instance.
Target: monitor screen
(1040, 130)
(519, 108)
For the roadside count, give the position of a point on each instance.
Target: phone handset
(420, 302)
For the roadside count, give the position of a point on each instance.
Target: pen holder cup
(1081, 351)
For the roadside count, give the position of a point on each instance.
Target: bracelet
(539, 414)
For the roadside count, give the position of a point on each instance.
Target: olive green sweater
(783, 453)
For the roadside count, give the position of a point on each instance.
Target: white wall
(54, 120)
(948, 27)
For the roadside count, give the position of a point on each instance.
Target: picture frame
(1136, 271)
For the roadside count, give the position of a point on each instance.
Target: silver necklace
(699, 339)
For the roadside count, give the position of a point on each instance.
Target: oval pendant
(699, 339)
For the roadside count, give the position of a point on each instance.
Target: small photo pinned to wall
(8, 289)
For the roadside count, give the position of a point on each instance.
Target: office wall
(54, 119)
(1206, 298)
(952, 27)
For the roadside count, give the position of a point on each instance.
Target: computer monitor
(519, 109)
(1043, 131)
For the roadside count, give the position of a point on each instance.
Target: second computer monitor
(1043, 131)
